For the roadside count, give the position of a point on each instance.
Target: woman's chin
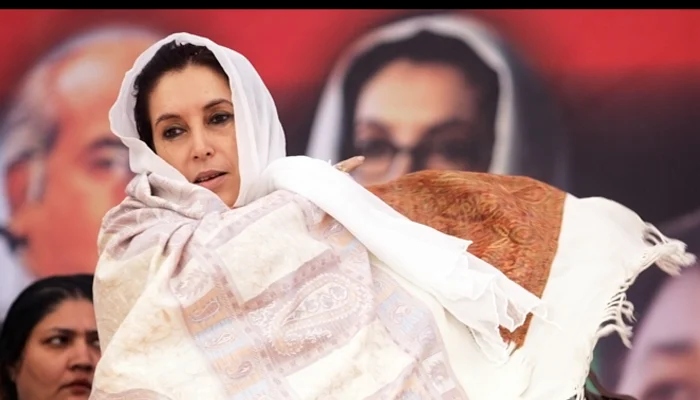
(223, 186)
(229, 198)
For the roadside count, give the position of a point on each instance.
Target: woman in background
(664, 360)
(48, 343)
(440, 91)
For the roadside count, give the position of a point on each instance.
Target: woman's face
(193, 126)
(60, 355)
(413, 116)
(664, 362)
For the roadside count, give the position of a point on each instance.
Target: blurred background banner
(597, 102)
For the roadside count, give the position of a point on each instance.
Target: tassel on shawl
(670, 256)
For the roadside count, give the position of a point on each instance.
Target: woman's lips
(215, 182)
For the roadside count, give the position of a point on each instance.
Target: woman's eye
(672, 390)
(172, 133)
(220, 118)
(57, 341)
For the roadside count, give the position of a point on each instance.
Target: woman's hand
(350, 164)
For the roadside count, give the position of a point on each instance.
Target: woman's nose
(400, 165)
(201, 145)
(83, 356)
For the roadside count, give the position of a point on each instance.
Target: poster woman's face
(664, 363)
(412, 116)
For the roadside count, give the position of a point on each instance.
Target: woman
(439, 91)
(232, 271)
(48, 343)
(664, 362)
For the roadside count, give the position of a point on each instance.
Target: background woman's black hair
(172, 56)
(424, 46)
(29, 308)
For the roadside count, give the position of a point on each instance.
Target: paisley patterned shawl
(278, 300)
(275, 299)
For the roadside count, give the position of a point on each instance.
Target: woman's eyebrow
(670, 348)
(210, 104)
(216, 102)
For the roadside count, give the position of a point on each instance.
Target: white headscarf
(529, 135)
(476, 293)
(254, 107)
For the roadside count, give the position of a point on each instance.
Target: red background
(628, 80)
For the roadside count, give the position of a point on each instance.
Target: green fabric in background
(594, 368)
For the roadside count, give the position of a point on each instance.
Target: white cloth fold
(475, 292)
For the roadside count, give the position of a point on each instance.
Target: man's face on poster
(85, 168)
(664, 363)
